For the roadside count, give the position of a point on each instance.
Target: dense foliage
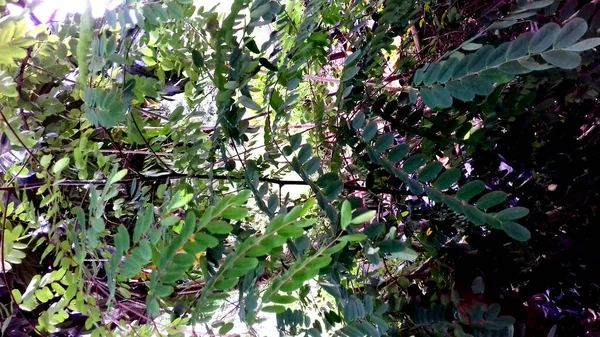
(371, 168)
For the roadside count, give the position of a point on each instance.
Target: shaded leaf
(398, 153)
(346, 214)
(248, 103)
(516, 231)
(562, 58)
(363, 217)
(447, 179)
(585, 45)
(474, 215)
(470, 189)
(430, 171)
(349, 73)
(414, 162)
(434, 194)
(512, 213)
(491, 199)
(478, 287)
(415, 187)
(370, 131)
(219, 227)
(544, 38)
(570, 33)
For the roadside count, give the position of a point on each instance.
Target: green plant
(111, 196)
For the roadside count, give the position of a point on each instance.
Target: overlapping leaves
(463, 77)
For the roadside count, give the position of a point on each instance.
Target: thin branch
(280, 182)
(18, 138)
(19, 81)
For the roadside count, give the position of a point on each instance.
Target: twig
(19, 81)
(19, 138)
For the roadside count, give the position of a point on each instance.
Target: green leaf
(163, 290)
(447, 70)
(359, 120)
(143, 223)
(584, 44)
(267, 64)
(434, 194)
(512, 213)
(570, 33)
(477, 286)
(474, 215)
(219, 227)
(470, 189)
(531, 64)
(447, 179)
(535, 4)
(283, 299)
(305, 153)
(295, 141)
(206, 240)
(471, 46)
(226, 284)
(462, 68)
(429, 97)
(415, 187)
(562, 58)
(370, 131)
(414, 162)
(235, 213)
(117, 177)
(498, 56)
(432, 74)
(458, 90)
(363, 217)
(454, 204)
(248, 103)
(275, 309)
(260, 11)
(501, 24)
(60, 165)
(384, 142)
(251, 45)
(493, 222)
(514, 68)
(179, 200)
(543, 38)
(398, 153)
(516, 231)
(397, 249)
(478, 61)
(430, 171)
(312, 165)
(478, 85)
(97, 225)
(353, 238)
(444, 100)
(346, 214)
(418, 79)
(225, 328)
(353, 57)
(491, 199)
(493, 311)
(152, 306)
(170, 221)
(520, 46)
(197, 58)
(349, 73)
(291, 232)
(122, 240)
